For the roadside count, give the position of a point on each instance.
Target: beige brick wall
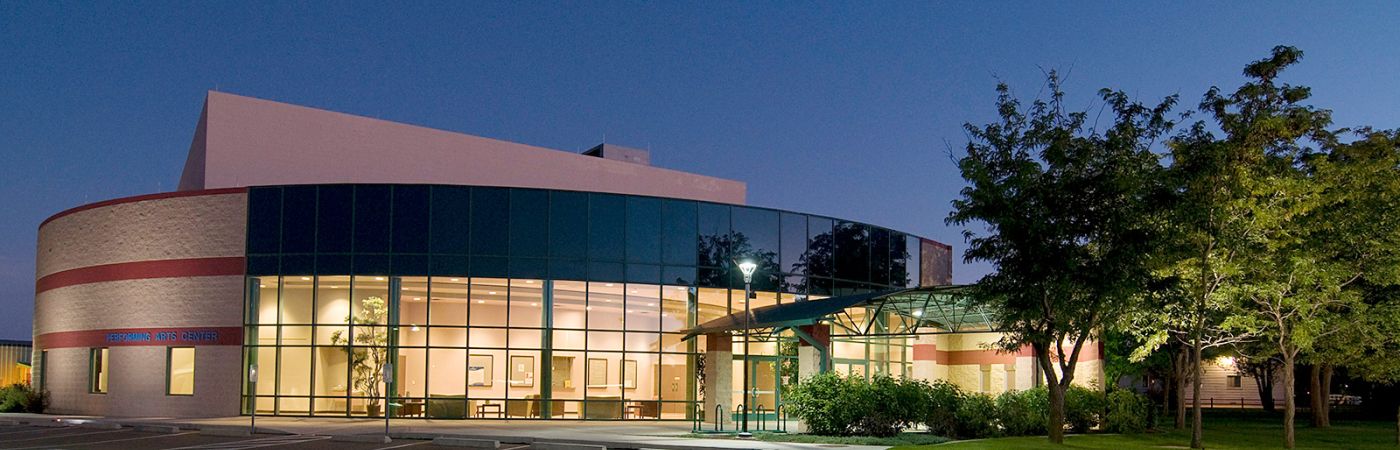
(172, 228)
(200, 226)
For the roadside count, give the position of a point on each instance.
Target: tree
(368, 349)
(1259, 361)
(1356, 228)
(1069, 214)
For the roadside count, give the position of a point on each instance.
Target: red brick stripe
(142, 198)
(168, 268)
(135, 337)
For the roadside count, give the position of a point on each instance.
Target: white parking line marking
(256, 443)
(404, 445)
(36, 430)
(516, 447)
(69, 435)
(106, 441)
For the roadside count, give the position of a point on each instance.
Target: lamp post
(747, 267)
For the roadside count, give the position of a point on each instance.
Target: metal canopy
(921, 310)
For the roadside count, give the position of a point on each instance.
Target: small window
(179, 371)
(98, 370)
(1234, 381)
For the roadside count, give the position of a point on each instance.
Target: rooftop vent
(620, 153)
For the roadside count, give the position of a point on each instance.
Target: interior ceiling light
(306, 278)
(378, 278)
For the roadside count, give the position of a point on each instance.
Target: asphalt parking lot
(27, 437)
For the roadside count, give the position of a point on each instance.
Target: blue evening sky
(845, 109)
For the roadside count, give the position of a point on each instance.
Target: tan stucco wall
(969, 361)
(186, 227)
(171, 228)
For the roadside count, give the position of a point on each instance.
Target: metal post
(388, 380)
(253, 393)
(748, 296)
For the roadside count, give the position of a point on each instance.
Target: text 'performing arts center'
(314, 263)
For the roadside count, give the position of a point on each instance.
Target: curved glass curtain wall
(526, 303)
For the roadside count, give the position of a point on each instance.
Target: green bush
(827, 403)
(977, 416)
(839, 406)
(941, 414)
(1083, 408)
(1128, 412)
(20, 397)
(1023, 413)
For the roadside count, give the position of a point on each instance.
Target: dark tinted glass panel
(678, 232)
(796, 284)
(852, 251)
(262, 265)
(606, 224)
(299, 263)
(568, 224)
(372, 264)
(529, 222)
(899, 274)
(819, 260)
(879, 256)
(643, 273)
(711, 277)
(605, 271)
(911, 247)
(643, 230)
(528, 268)
(410, 265)
(449, 265)
(568, 269)
(264, 220)
(819, 286)
(333, 264)
(794, 242)
(489, 266)
(756, 237)
(410, 219)
(713, 246)
(371, 219)
(299, 219)
(334, 206)
(451, 215)
(490, 221)
(680, 275)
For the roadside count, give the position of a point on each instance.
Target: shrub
(835, 406)
(1128, 412)
(20, 397)
(827, 403)
(1023, 413)
(1083, 408)
(977, 416)
(941, 413)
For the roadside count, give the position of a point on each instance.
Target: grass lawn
(911, 440)
(1222, 431)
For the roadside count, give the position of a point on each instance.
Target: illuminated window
(97, 371)
(179, 371)
(1234, 381)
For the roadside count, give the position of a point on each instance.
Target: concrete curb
(158, 429)
(224, 431)
(9, 422)
(377, 439)
(100, 425)
(565, 446)
(444, 441)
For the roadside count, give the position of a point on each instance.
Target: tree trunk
(1196, 424)
(1288, 401)
(1264, 381)
(1397, 426)
(1326, 411)
(1056, 425)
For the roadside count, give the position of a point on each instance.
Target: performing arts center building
(314, 263)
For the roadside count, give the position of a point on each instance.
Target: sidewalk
(657, 435)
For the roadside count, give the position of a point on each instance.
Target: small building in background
(14, 361)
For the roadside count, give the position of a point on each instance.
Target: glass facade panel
(524, 303)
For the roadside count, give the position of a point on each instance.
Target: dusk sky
(846, 109)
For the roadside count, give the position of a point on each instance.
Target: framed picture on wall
(597, 372)
(479, 370)
(629, 374)
(522, 371)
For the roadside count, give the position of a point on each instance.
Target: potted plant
(367, 349)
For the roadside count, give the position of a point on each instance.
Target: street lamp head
(748, 267)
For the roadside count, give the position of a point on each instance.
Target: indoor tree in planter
(367, 348)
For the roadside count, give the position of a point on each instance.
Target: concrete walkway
(651, 435)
